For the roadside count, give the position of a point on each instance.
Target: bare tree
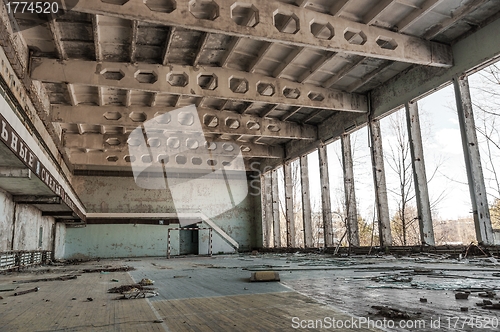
(486, 100)
(404, 223)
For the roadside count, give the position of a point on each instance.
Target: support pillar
(377, 154)
(289, 216)
(326, 202)
(306, 203)
(267, 209)
(477, 188)
(276, 209)
(350, 197)
(419, 176)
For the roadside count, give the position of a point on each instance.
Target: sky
(443, 154)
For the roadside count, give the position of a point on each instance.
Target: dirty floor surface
(316, 292)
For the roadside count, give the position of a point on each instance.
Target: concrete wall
(60, 241)
(22, 223)
(6, 220)
(122, 195)
(115, 240)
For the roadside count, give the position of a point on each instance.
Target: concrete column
(267, 209)
(306, 203)
(419, 176)
(326, 202)
(350, 196)
(477, 188)
(290, 218)
(377, 154)
(276, 209)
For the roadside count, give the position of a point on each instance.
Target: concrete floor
(214, 294)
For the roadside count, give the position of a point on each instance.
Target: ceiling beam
(212, 121)
(101, 142)
(185, 161)
(56, 36)
(338, 7)
(292, 113)
(97, 37)
(368, 77)
(311, 116)
(455, 17)
(231, 84)
(410, 49)
(288, 60)
(342, 73)
(168, 45)
(376, 11)
(133, 40)
(35, 199)
(262, 54)
(18, 173)
(316, 67)
(72, 95)
(415, 15)
(201, 45)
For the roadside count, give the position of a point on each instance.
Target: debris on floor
(391, 312)
(136, 293)
(146, 282)
(392, 278)
(60, 278)
(488, 294)
(36, 289)
(462, 296)
(110, 269)
(126, 288)
(265, 276)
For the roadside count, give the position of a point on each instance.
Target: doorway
(188, 241)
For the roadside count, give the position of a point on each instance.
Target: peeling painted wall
(60, 240)
(27, 229)
(209, 196)
(110, 241)
(25, 221)
(6, 221)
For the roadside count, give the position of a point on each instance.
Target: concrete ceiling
(261, 73)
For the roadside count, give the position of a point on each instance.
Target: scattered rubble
(462, 296)
(135, 293)
(36, 289)
(110, 269)
(392, 278)
(126, 288)
(488, 294)
(61, 278)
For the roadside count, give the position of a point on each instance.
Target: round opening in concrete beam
(180, 159)
(286, 22)
(146, 158)
(185, 118)
(204, 9)
(129, 159)
(162, 117)
(173, 143)
(192, 144)
(245, 14)
(162, 6)
(196, 161)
